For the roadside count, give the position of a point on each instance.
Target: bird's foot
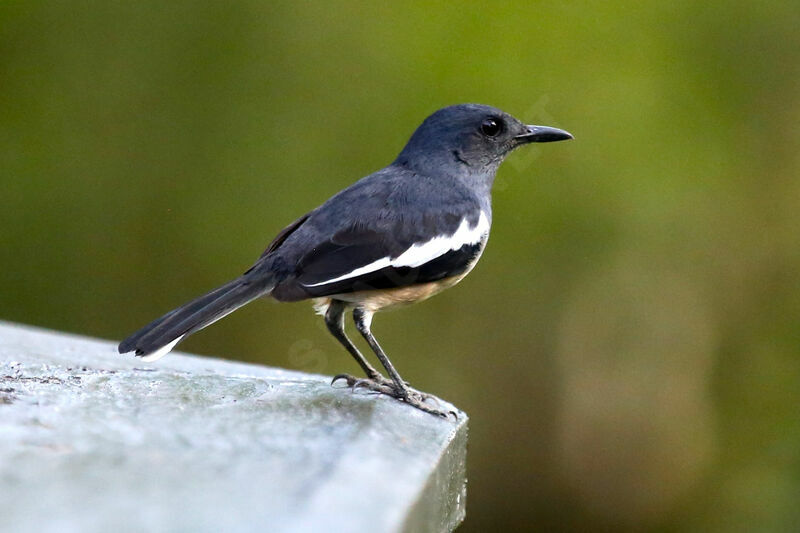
(381, 385)
(369, 383)
(422, 401)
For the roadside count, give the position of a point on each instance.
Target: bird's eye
(491, 127)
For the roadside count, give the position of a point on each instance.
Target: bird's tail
(156, 339)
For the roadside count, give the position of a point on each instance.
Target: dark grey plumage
(396, 236)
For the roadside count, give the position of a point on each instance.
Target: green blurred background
(628, 347)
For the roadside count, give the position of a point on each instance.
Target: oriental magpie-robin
(395, 237)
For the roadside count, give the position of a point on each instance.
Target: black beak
(543, 134)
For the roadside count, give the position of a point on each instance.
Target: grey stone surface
(94, 441)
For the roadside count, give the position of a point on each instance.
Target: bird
(395, 237)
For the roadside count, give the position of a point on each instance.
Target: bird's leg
(398, 389)
(334, 319)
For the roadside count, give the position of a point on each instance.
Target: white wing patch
(420, 253)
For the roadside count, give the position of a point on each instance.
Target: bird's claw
(347, 377)
(418, 399)
(413, 397)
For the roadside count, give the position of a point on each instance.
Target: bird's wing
(363, 258)
(384, 244)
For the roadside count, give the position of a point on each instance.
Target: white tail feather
(161, 352)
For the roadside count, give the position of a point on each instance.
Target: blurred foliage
(628, 346)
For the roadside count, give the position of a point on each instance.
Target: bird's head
(470, 138)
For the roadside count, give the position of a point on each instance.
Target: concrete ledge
(94, 441)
